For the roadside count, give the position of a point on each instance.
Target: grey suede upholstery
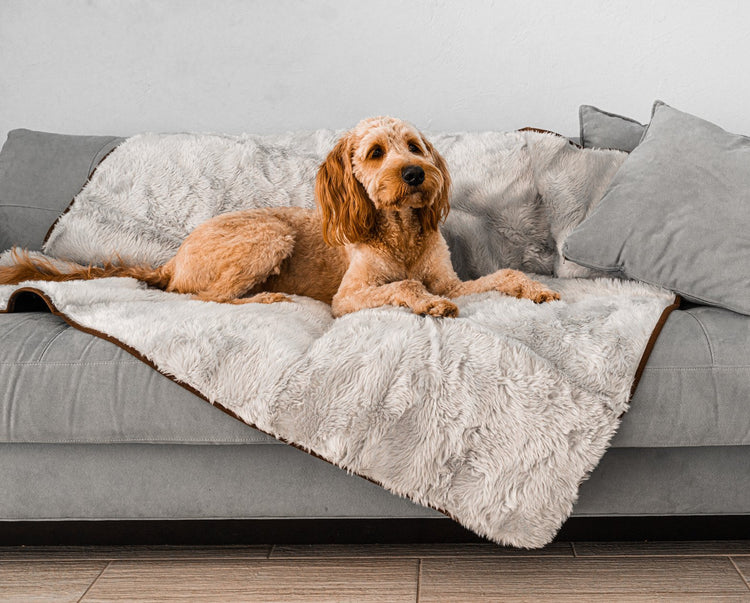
(40, 173)
(695, 389)
(668, 481)
(170, 481)
(60, 385)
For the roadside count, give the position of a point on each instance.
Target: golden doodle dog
(381, 193)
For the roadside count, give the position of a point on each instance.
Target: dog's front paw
(265, 297)
(542, 295)
(537, 292)
(437, 307)
(517, 284)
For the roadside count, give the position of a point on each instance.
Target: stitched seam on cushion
(38, 363)
(617, 115)
(608, 114)
(705, 334)
(60, 330)
(594, 266)
(580, 126)
(29, 207)
(156, 442)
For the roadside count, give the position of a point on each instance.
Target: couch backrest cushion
(40, 173)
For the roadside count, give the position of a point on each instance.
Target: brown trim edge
(652, 341)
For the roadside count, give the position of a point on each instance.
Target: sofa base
(272, 481)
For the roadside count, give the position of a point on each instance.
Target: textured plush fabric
(40, 173)
(494, 417)
(677, 214)
(602, 130)
(516, 195)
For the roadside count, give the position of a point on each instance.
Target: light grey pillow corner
(657, 103)
(581, 239)
(605, 130)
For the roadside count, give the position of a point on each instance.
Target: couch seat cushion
(695, 389)
(60, 385)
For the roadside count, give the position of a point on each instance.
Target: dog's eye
(414, 148)
(376, 152)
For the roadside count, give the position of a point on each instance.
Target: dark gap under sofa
(91, 434)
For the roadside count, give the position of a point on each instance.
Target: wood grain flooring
(563, 571)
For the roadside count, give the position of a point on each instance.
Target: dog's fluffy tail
(26, 267)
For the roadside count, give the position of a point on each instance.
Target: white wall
(125, 66)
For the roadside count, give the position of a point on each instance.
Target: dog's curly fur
(381, 193)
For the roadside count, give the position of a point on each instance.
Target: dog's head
(383, 164)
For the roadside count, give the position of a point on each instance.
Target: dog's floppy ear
(347, 213)
(437, 211)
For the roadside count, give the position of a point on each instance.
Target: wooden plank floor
(563, 571)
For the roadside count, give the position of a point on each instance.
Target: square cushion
(40, 173)
(677, 213)
(603, 130)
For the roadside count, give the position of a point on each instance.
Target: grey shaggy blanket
(494, 417)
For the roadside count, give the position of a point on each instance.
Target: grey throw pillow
(40, 173)
(603, 130)
(677, 213)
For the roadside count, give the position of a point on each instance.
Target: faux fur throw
(494, 417)
(516, 195)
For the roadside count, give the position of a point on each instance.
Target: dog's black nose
(413, 175)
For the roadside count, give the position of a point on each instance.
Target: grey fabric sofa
(88, 432)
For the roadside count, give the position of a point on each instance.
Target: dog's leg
(510, 282)
(223, 262)
(441, 279)
(407, 293)
(264, 297)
